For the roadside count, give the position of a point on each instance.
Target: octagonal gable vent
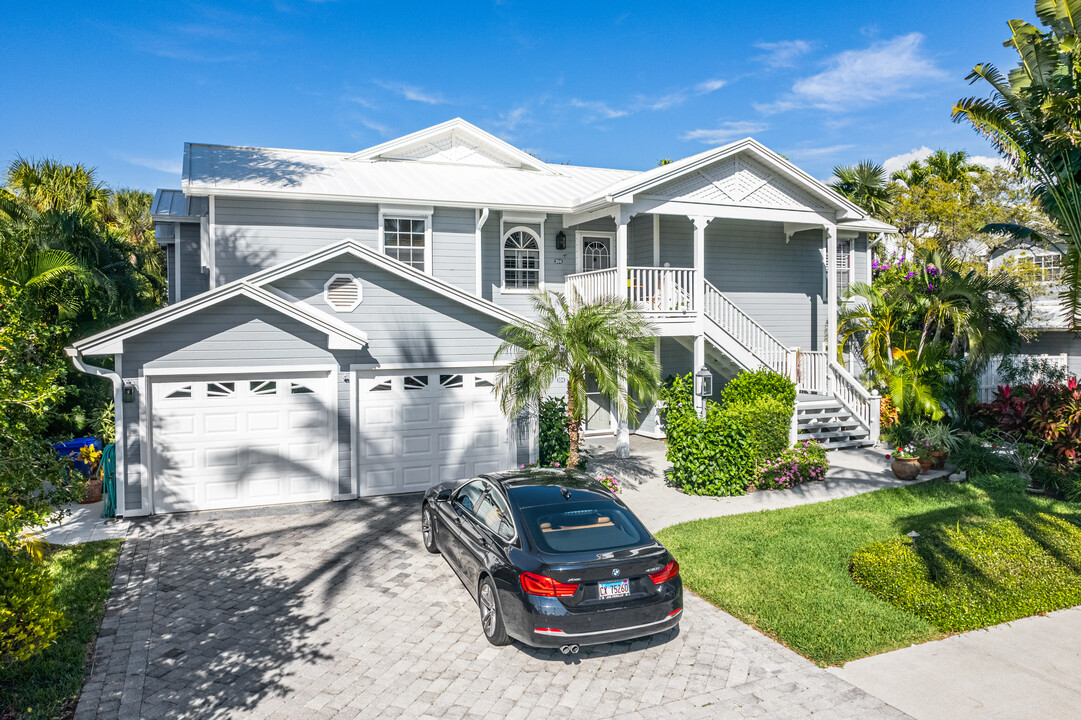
(343, 293)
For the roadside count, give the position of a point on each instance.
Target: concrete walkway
(84, 524)
(658, 505)
(1029, 669)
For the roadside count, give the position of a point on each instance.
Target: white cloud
(724, 132)
(812, 152)
(708, 86)
(782, 54)
(887, 70)
(598, 110)
(373, 125)
(168, 165)
(412, 92)
(895, 163)
(901, 161)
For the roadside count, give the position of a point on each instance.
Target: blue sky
(121, 86)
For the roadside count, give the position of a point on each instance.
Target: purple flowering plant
(803, 462)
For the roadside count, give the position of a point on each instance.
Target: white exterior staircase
(831, 405)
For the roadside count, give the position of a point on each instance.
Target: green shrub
(977, 574)
(803, 462)
(1072, 490)
(710, 456)
(767, 420)
(748, 386)
(976, 458)
(555, 439)
(29, 622)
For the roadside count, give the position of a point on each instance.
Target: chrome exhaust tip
(565, 649)
(574, 649)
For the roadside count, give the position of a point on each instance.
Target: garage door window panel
(220, 389)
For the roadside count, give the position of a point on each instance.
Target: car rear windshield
(583, 527)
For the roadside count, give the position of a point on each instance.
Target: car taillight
(534, 584)
(670, 571)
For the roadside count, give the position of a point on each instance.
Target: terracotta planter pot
(905, 469)
(938, 459)
(925, 465)
(92, 494)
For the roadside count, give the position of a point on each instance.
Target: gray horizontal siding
(777, 283)
(405, 322)
(192, 278)
(237, 333)
(345, 437)
(253, 234)
(640, 241)
(454, 246)
(677, 241)
(860, 259)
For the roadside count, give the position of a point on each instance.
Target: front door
(596, 252)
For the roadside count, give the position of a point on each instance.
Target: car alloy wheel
(427, 530)
(490, 621)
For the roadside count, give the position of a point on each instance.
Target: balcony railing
(812, 371)
(654, 290)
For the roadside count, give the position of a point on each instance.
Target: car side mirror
(443, 496)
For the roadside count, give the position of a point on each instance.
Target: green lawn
(786, 572)
(47, 686)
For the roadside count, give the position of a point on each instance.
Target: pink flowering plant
(609, 482)
(803, 462)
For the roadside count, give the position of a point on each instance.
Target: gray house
(332, 317)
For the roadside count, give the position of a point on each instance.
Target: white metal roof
(224, 170)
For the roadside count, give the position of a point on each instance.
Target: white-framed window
(521, 259)
(1047, 268)
(405, 234)
(844, 266)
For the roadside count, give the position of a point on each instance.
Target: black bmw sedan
(553, 559)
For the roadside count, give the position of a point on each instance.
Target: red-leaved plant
(1041, 412)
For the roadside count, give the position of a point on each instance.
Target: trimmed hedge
(710, 456)
(555, 438)
(749, 386)
(977, 574)
(766, 419)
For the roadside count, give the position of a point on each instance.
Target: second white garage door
(421, 429)
(235, 441)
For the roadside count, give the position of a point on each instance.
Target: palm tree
(48, 184)
(607, 341)
(949, 167)
(1032, 118)
(866, 185)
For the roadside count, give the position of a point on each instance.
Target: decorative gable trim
(456, 142)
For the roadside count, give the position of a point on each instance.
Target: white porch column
(621, 218)
(700, 223)
(623, 430)
(480, 217)
(831, 290)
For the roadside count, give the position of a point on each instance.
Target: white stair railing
(748, 333)
(863, 405)
(812, 371)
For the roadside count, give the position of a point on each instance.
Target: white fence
(812, 371)
(991, 378)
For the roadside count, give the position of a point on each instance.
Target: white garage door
(235, 442)
(417, 430)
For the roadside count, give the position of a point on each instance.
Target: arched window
(595, 256)
(521, 260)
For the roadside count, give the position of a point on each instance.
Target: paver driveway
(336, 611)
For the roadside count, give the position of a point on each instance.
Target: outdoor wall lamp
(129, 391)
(561, 240)
(703, 383)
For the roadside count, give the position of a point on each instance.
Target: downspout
(481, 218)
(118, 416)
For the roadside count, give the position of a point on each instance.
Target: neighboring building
(1051, 340)
(333, 316)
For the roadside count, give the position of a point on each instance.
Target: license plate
(614, 589)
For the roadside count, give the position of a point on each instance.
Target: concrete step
(825, 404)
(849, 422)
(835, 434)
